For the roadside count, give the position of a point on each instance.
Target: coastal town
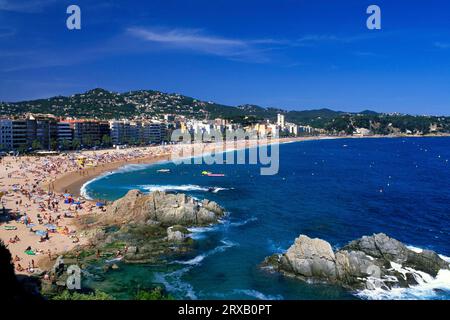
(41, 201)
(103, 119)
(46, 158)
(32, 132)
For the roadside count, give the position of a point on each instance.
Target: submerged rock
(370, 262)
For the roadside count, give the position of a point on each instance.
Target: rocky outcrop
(164, 208)
(370, 262)
(381, 247)
(311, 258)
(146, 228)
(177, 233)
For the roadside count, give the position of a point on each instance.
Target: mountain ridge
(102, 104)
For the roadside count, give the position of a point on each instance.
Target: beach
(41, 197)
(36, 188)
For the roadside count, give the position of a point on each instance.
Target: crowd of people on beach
(36, 216)
(35, 219)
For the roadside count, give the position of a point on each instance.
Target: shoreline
(72, 182)
(30, 185)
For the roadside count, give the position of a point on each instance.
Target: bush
(96, 295)
(155, 294)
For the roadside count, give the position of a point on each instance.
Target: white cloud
(198, 41)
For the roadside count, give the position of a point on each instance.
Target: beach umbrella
(100, 204)
(41, 233)
(77, 202)
(67, 195)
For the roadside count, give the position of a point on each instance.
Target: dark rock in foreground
(371, 262)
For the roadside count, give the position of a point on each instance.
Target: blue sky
(279, 53)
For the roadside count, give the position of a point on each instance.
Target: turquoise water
(337, 190)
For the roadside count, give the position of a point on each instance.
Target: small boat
(163, 171)
(215, 175)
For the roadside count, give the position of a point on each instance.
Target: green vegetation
(96, 295)
(103, 104)
(154, 294)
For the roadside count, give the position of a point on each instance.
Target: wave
(199, 232)
(135, 167)
(172, 282)
(243, 223)
(83, 190)
(198, 259)
(203, 229)
(184, 188)
(428, 287)
(257, 294)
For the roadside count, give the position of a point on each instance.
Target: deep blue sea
(337, 190)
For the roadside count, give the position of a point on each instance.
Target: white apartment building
(280, 120)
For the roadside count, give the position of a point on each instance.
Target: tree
(87, 140)
(53, 144)
(76, 144)
(65, 144)
(106, 140)
(36, 145)
(22, 148)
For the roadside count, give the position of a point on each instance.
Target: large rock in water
(311, 258)
(371, 262)
(164, 208)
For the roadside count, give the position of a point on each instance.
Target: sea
(337, 190)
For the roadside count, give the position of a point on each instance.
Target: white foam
(177, 285)
(83, 189)
(257, 294)
(241, 223)
(137, 167)
(218, 189)
(194, 261)
(415, 249)
(427, 287)
(184, 188)
(198, 259)
(202, 229)
(172, 281)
